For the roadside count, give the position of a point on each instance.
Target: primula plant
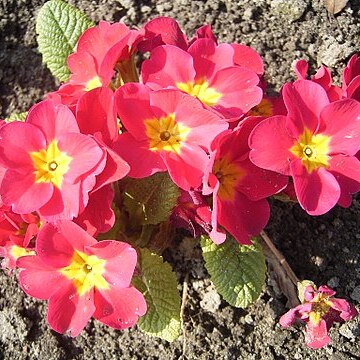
(153, 135)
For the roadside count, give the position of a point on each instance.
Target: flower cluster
(197, 111)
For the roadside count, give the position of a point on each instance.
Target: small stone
(211, 300)
(293, 10)
(333, 282)
(331, 52)
(350, 329)
(249, 319)
(248, 13)
(355, 295)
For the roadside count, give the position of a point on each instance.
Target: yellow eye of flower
(312, 149)
(166, 134)
(229, 176)
(50, 165)
(200, 89)
(86, 272)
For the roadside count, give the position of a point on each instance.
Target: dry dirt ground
(325, 249)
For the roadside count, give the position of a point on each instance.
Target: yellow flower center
(93, 83)
(312, 149)
(320, 306)
(200, 89)
(86, 272)
(265, 108)
(229, 176)
(50, 164)
(18, 251)
(166, 134)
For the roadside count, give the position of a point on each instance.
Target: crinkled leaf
(150, 200)
(159, 285)
(59, 26)
(237, 271)
(16, 117)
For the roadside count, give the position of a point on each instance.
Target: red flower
(92, 65)
(50, 166)
(206, 71)
(322, 77)
(351, 78)
(315, 143)
(16, 233)
(319, 311)
(167, 130)
(83, 278)
(239, 188)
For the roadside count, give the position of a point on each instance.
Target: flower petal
(39, 279)
(23, 194)
(120, 259)
(346, 170)
(69, 312)
(317, 192)
(52, 119)
(316, 336)
(270, 144)
(167, 66)
(143, 162)
(18, 140)
(119, 308)
(341, 121)
(304, 101)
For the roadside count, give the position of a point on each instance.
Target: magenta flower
(17, 233)
(168, 130)
(83, 278)
(322, 77)
(351, 78)
(315, 143)
(239, 188)
(92, 65)
(319, 311)
(50, 166)
(206, 71)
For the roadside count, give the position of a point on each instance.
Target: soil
(325, 249)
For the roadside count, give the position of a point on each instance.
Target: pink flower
(98, 216)
(92, 65)
(99, 106)
(319, 311)
(351, 78)
(50, 166)
(206, 71)
(192, 213)
(322, 77)
(239, 188)
(315, 143)
(167, 130)
(83, 278)
(162, 31)
(17, 234)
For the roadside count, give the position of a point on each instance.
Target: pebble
(333, 282)
(331, 52)
(350, 329)
(355, 295)
(293, 10)
(211, 300)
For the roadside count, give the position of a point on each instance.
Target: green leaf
(159, 285)
(16, 117)
(150, 200)
(59, 26)
(237, 271)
